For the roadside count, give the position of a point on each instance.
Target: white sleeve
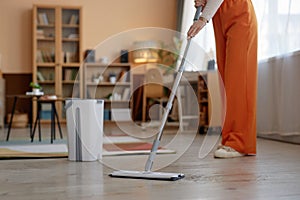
(211, 8)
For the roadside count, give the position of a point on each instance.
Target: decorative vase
(36, 90)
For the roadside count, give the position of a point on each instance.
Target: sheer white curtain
(279, 27)
(278, 103)
(205, 40)
(279, 58)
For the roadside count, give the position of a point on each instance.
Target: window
(278, 27)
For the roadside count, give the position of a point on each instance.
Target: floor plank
(273, 174)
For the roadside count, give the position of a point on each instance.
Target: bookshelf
(210, 101)
(111, 82)
(203, 101)
(57, 51)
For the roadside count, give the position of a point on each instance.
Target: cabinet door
(44, 47)
(71, 56)
(70, 35)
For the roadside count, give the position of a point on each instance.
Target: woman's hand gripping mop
(148, 174)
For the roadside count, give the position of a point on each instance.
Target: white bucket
(85, 129)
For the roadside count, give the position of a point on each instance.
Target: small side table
(54, 117)
(16, 97)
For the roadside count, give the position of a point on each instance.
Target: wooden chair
(153, 88)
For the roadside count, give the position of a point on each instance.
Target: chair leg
(52, 122)
(34, 127)
(33, 131)
(30, 119)
(58, 123)
(35, 124)
(39, 121)
(40, 132)
(11, 117)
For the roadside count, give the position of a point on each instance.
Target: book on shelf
(67, 74)
(43, 19)
(47, 56)
(40, 76)
(39, 56)
(126, 94)
(70, 74)
(70, 57)
(73, 36)
(74, 74)
(40, 33)
(73, 20)
(123, 76)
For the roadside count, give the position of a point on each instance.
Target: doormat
(112, 146)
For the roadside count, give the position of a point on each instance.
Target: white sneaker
(227, 152)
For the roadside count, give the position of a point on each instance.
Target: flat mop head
(147, 175)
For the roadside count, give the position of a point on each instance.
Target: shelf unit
(57, 51)
(210, 101)
(204, 103)
(115, 91)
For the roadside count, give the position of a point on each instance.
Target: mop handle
(156, 142)
(197, 14)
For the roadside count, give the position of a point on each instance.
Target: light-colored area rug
(112, 146)
(33, 151)
(125, 145)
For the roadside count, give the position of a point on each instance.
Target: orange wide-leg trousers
(235, 29)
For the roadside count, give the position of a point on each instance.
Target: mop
(147, 173)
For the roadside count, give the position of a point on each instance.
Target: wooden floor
(273, 174)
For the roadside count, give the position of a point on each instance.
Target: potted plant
(36, 88)
(168, 56)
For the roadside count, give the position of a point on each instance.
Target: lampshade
(145, 51)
